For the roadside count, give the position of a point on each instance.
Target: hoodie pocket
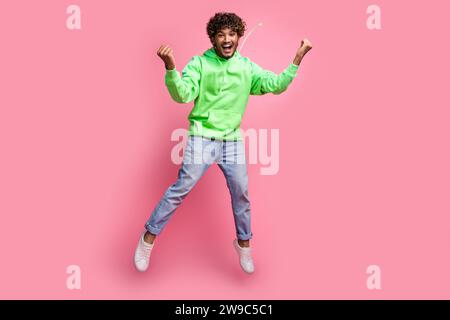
(223, 120)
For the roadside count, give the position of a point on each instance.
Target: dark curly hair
(223, 20)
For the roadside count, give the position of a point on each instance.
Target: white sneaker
(142, 254)
(245, 257)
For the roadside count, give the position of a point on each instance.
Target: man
(220, 81)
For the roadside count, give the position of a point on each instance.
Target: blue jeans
(199, 154)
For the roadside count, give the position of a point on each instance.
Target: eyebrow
(232, 31)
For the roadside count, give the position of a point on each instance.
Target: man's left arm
(265, 81)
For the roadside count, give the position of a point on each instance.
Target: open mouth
(227, 48)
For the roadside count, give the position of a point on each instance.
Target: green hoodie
(221, 88)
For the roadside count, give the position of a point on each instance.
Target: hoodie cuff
(171, 75)
(292, 69)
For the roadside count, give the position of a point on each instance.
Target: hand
(304, 48)
(166, 55)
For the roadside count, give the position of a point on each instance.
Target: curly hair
(225, 20)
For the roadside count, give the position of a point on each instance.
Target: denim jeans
(199, 154)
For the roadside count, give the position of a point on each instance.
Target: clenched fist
(166, 55)
(305, 46)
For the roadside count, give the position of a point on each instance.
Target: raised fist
(304, 47)
(166, 55)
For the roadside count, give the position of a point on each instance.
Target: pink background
(364, 175)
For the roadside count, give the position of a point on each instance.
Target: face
(226, 42)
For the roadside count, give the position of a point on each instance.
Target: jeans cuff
(244, 237)
(151, 229)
